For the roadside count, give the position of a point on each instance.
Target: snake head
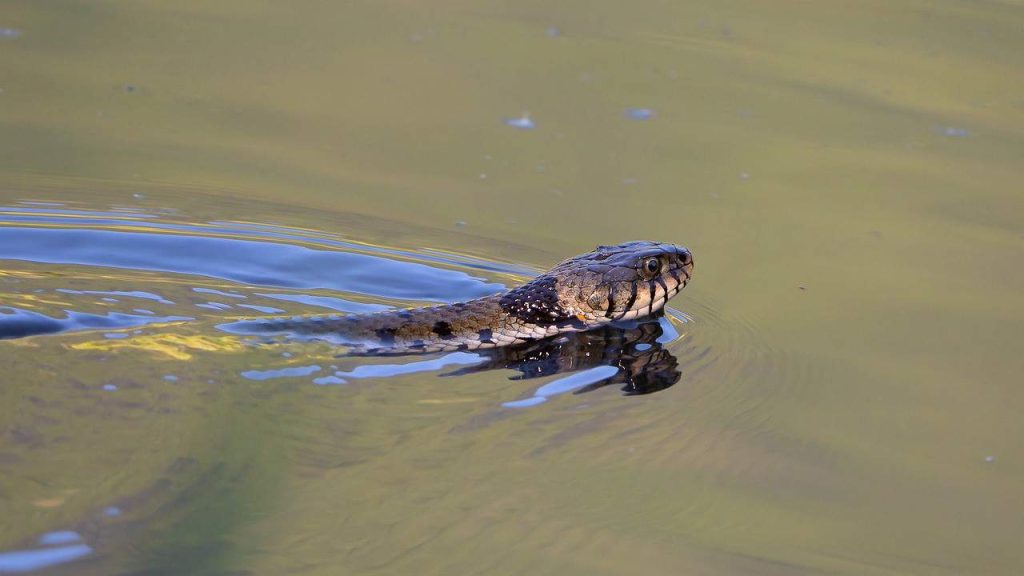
(623, 282)
(611, 283)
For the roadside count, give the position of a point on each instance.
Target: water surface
(837, 391)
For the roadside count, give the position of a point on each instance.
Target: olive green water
(849, 176)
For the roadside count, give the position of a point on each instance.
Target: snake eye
(652, 265)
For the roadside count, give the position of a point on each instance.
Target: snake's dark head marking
(628, 281)
(611, 283)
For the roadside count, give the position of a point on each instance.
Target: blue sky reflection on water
(58, 547)
(244, 261)
(391, 370)
(289, 372)
(565, 384)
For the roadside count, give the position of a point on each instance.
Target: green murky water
(848, 176)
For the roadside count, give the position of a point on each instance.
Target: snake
(624, 282)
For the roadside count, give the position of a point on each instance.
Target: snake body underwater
(610, 284)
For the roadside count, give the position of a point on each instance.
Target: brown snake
(612, 283)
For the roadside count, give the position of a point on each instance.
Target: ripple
(172, 254)
(328, 302)
(737, 377)
(263, 309)
(132, 294)
(392, 370)
(244, 261)
(28, 213)
(291, 372)
(731, 346)
(219, 293)
(565, 384)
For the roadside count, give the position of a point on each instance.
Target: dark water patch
(18, 323)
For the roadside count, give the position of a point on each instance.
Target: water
(836, 392)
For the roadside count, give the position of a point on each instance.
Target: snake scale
(610, 284)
